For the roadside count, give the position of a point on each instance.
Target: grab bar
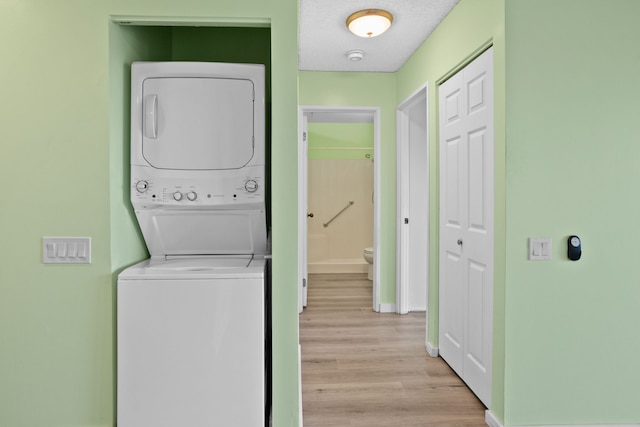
(326, 224)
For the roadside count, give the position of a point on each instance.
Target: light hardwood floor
(361, 368)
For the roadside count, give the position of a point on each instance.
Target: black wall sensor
(575, 248)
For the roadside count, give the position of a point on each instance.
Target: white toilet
(368, 256)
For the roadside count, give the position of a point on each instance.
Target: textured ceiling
(324, 39)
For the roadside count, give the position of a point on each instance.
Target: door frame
(403, 237)
(303, 202)
(336, 114)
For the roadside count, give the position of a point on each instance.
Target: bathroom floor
(361, 368)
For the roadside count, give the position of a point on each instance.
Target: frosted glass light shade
(369, 22)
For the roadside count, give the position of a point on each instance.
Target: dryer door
(198, 123)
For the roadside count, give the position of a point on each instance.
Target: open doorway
(333, 115)
(412, 255)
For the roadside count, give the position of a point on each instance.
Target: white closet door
(466, 223)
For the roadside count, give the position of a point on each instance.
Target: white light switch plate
(66, 250)
(539, 248)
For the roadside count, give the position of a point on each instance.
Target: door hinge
(304, 283)
(304, 136)
(406, 220)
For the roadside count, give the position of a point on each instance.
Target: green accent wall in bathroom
(340, 141)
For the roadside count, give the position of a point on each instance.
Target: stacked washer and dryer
(193, 329)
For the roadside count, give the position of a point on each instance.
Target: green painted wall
(63, 147)
(564, 347)
(470, 27)
(340, 141)
(572, 168)
(127, 44)
(355, 89)
(564, 343)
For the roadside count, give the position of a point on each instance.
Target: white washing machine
(191, 343)
(192, 321)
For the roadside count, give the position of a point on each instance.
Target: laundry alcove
(147, 39)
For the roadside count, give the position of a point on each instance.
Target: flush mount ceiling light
(355, 55)
(369, 22)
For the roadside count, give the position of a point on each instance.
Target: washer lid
(198, 264)
(200, 232)
(195, 268)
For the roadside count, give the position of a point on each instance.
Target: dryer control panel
(234, 192)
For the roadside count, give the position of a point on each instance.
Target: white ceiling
(324, 38)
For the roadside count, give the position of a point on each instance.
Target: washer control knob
(142, 186)
(251, 186)
(192, 195)
(177, 196)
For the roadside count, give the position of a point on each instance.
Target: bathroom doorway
(336, 116)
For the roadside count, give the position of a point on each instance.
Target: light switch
(62, 250)
(545, 249)
(82, 250)
(539, 248)
(66, 250)
(51, 250)
(536, 250)
(72, 249)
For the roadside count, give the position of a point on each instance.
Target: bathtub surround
(340, 196)
(337, 248)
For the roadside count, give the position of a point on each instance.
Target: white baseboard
(337, 266)
(387, 308)
(300, 419)
(492, 421)
(433, 351)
